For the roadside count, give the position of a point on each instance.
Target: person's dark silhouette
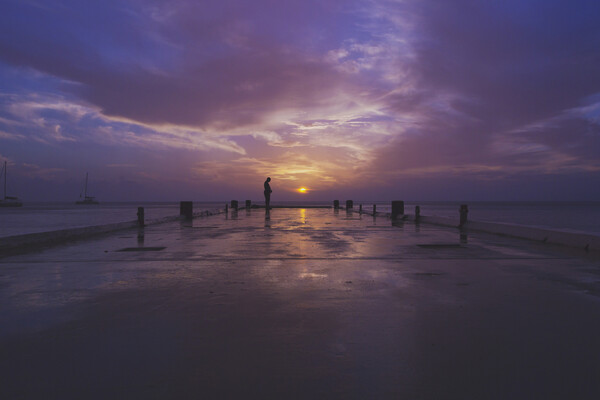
(268, 194)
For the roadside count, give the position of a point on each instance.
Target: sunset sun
(303, 190)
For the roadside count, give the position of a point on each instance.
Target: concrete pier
(306, 304)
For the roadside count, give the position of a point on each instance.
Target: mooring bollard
(248, 204)
(234, 205)
(397, 208)
(140, 215)
(186, 209)
(349, 204)
(417, 213)
(464, 210)
(336, 204)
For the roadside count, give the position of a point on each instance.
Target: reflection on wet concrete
(464, 237)
(299, 303)
(140, 236)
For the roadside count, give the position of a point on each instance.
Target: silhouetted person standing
(268, 194)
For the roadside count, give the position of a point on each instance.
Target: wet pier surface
(310, 303)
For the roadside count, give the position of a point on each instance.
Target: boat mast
(85, 193)
(4, 180)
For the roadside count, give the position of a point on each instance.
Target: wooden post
(464, 210)
(226, 208)
(248, 204)
(397, 208)
(234, 205)
(349, 204)
(186, 209)
(360, 209)
(336, 204)
(417, 213)
(374, 209)
(140, 215)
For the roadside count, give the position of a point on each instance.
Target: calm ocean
(44, 217)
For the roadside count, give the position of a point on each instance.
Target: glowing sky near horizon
(377, 99)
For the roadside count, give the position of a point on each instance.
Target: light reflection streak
(305, 275)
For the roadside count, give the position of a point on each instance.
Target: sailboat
(86, 199)
(9, 201)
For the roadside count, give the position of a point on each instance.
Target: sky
(365, 100)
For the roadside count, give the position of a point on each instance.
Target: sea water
(45, 217)
(564, 216)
